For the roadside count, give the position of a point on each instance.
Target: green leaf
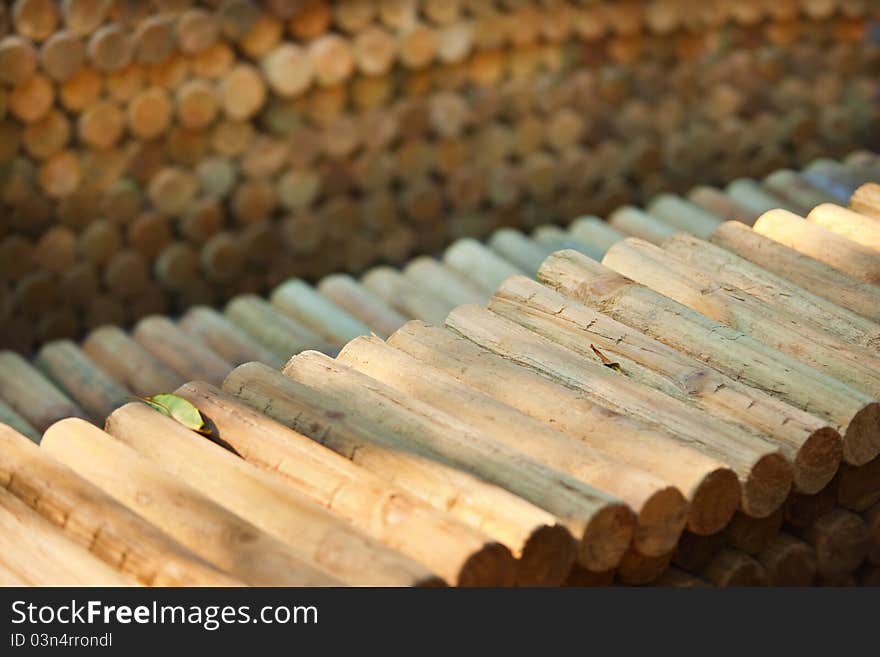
(178, 409)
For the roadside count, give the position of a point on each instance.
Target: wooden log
(660, 508)
(281, 334)
(810, 274)
(841, 541)
(319, 537)
(813, 447)
(695, 552)
(442, 281)
(31, 395)
(359, 302)
(651, 266)
(849, 257)
(857, 227)
(225, 338)
(853, 413)
(866, 200)
(637, 569)
(582, 577)
(748, 192)
(792, 187)
(730, 269)
(683, 215)
(91, 518)
(720, 204)
(208, 529)
(858, 487)
(709, 486)
(482, 267)
(596, 233)
(15, 421)
(300, 301)
(130, 364)
(753, 535)
(405, 296)
(632, 221)
(734, 568)
(436, 435)
(515, 247)
(764, 473)
(92, 388)
(458, 553)
(788, 561)
(41, 555)
(180, 352)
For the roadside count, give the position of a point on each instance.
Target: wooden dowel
(660, 509)
(15, 421)
(31, 395)
(810, 274)
(359, 302)
(320, 538)
(702, 292)
(810, 443)
(128, 362)
(788, 561)
(300, 301)
(841, 541)
(91, 518)
(720, 204)
(92, 388)
(442, 281)
(41, 555)
(849, 257)
(732, 270)
(595, 232)
(225, 338)
(439, 436)
(857, 227)
(866, 199)
(852, 412)
(518, 249)
(637, 569)
(683, 215)
(459, 554)
(406, 296)
(734, 568)
(208, 529)
(764, 473)
(858, 487)
(710, 487)
(477, 263)
(179, 351)
(272, 328)
(632, 221)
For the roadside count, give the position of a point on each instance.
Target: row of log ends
(652, 418)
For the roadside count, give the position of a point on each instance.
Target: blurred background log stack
(685, 394)
(156, 156)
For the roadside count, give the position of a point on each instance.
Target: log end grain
(493, 565)
(861, 440)
(767, 485)
(714, 502)
(660, 522)
(609, 534)
(817, 460)
(547, 557)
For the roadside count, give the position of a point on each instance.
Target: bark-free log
(710, 487)
(208, 529)
(359, 302)
(857, 227)
(433, 434)
(660, 509)
(321, 538)
(179, 351)
(225, 338)
(406, 296)
(96, 521)
(764, 473)
(477, 263)
(439, 280)
(706, 294)
(31, 395)
(635, 222)
(854, 414)
(866, 199)
(858, 487)
(731, 567)
(810, 274)
(517, 248)
(841, 541)
(300, 300)
(15, 421)
(752, 535)
(458, 553)
(856, 260)
(788, 561)
(683, 215)
(810, 443)
(597, 233)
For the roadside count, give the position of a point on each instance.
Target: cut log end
(660, 522)
(606, 538)
(861, 441)
(817, 460)
(493, 565)
(714, 502)
(767, 485)
(547, 557)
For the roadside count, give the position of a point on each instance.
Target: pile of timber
(156, 155)
(700, 408)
